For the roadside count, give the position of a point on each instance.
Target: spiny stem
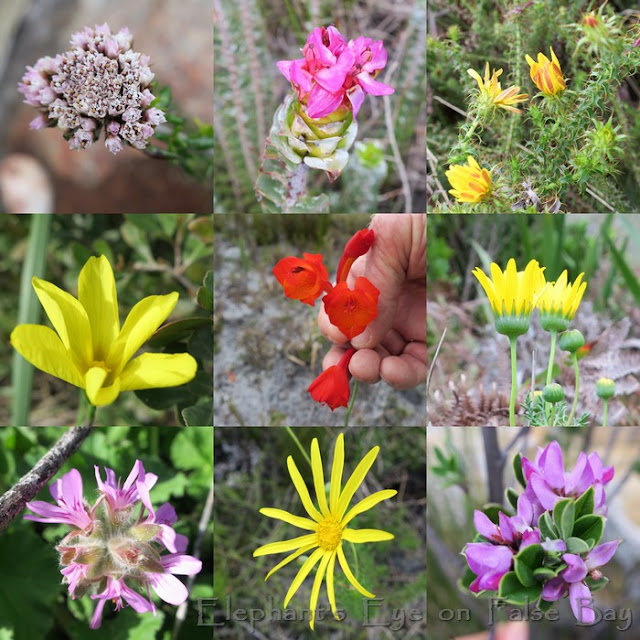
(577, 388)
(350, 407)
(512, 402)
(299, 444)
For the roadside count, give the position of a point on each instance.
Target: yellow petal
(284, 545)
(318, 477)
(97, 394)
(350, 577)
(368, 503)
(476, 76)
(355, 481)
(366, 535)
(315, 590)
(69, 319)
(302, 490)
(158, 370)
(97, 294)
(336, 473)
(285, 516)
(43, 348)
(291, 557)
(310, 562)
(145, 317)
(330, 590)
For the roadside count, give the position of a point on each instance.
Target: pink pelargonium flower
(572, 580)
(335, 73)
(547, 481)
(71, 509)
(118, 496)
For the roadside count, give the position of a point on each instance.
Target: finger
(394, 343)
(333, 356)
(365, 366)
(408, 369)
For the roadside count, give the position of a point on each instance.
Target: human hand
(393, 346)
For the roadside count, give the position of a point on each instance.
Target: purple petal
(96, 620)
(554, 545)
(166, 514)
(553, 589)
(285, 68)
(145, 498)
(530, 537)
(581, 478)
(137, 602)
(181, 564)
(169, 588)
(580, 597)
(372, 86)
(601, 554)
(525, 508)
(484, 526)
(321, 102)
(483, 557)
(181, 542)
(542, 491)
(300, 77)
(528, 468)
(553, 466)
(506, 530)
(487, 582)
(331, 78)
(378, 57)
(356, 97)
(576, 568)
(136, 471)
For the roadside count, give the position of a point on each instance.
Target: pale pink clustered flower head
(335, 73)
(114, 550)
(101, 83)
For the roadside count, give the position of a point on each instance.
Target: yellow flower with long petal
(470, 182)
(89, 349)
(559, 302)
(327, 524)
(547, 74)
(491, 92)
(513, 294)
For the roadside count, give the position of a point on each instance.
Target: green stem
(553, 416)
(606, 410)
(577, 388)
(350, 407)
(91, 414)
(552, 355)
(299, 444)
(512, 402)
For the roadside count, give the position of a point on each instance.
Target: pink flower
(116, 590)
(120, 497)
(71, 509)
(335, 73)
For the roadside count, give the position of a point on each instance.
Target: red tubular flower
(351, 310)
(304, 278)
(331, 387)
(359, 244)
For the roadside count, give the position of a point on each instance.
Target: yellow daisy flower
(470, 182)
(327, 523)
(491, 91)
(89, 349)
(546, 74)
(513, 294)
(560, 301)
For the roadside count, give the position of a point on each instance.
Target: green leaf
(563, 516)
(544, 605)
(585, 504)
(577, 546)
(202, 227)
(589, 527)
(512, 497)
(633, 284)
(546, 526)
(595, 585)
(526, 562)
(204, 295)
(199, 415)
(517, 469)
(544, 573)
(30, 583)
(193, 449)
(513, 591)
(491, 510)
(177, 331)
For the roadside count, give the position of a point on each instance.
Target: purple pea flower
(547, 481)
(491, 560)
(572, 578)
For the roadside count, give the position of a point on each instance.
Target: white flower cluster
(100, 83)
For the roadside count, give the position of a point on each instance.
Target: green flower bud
(605, 388)
(553, 393)
(553, 322)
(571, 341)
(512, 326)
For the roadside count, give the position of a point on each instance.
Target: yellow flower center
(329, 534)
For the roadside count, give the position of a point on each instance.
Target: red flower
(303, 279)
(351, 310)
(359, 244)
(331, 387)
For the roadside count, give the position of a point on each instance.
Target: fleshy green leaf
(589, 527)
(526, 562)
(517, 469)
(577, 546)
(514, 592)
(585, 504)
(547, 528)
(563, 516)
